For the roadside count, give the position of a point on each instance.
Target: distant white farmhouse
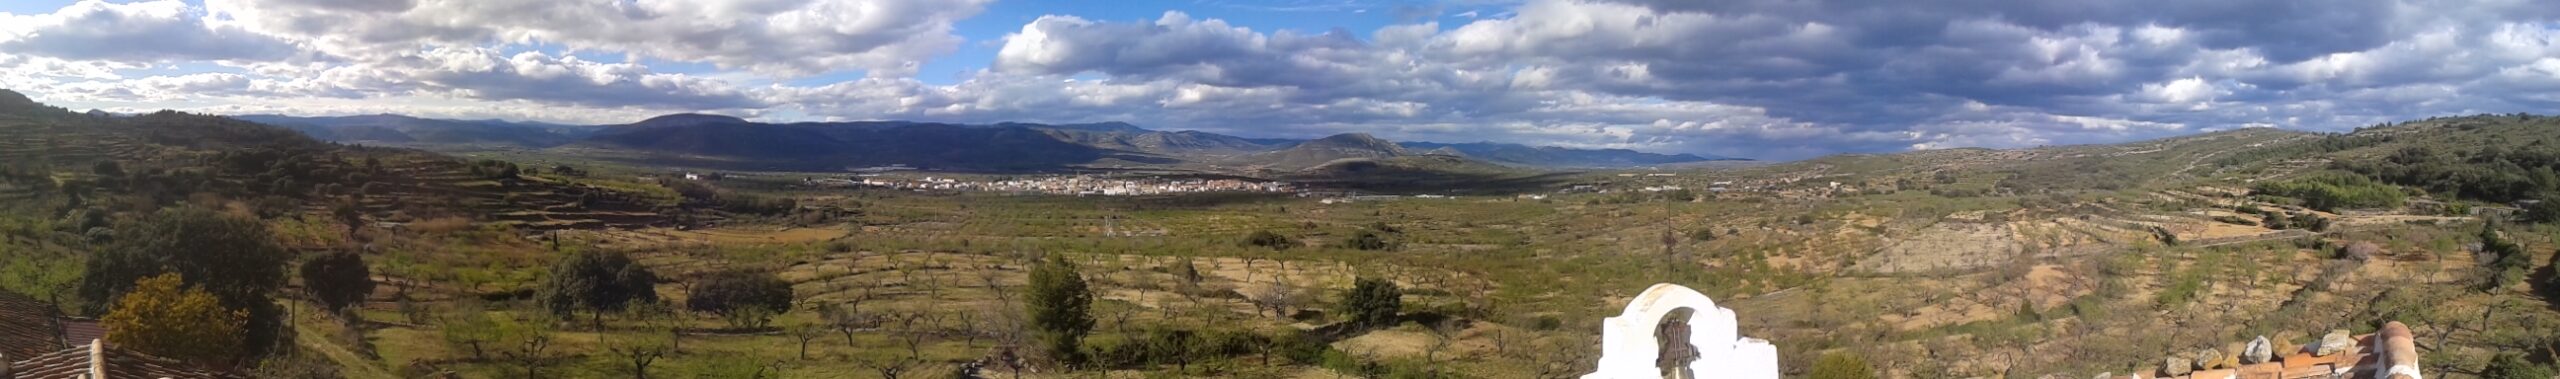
(1702, 340)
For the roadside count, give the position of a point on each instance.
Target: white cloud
(788, 38)
(1762, 78)
(150, 31)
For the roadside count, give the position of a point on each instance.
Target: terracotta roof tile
(26, 326)
(2223, 373)
(82, 330)
(2269, 370)
(119, 364)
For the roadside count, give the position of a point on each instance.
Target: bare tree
(1120, 319)
(891, 368)
(993, 279)
(640, 350)
(910, 334)
(1443, 334)
(846, 318)
(532, 345)
(968, 327)
(1280, 299)
(810, 330)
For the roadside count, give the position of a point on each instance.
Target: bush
(1372, 302)
(1369, 240)
(1547, 323)
(160, 318)
(2311, 222)
(1841, 365)
(745, 298)
(1269, 239)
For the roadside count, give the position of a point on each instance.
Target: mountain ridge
(1116, 139)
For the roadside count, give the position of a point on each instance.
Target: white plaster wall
(1628, 348)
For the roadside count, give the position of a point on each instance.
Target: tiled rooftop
(110, 362)
(27, 326)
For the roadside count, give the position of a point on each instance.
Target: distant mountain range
(1000, 146)
(389, 128)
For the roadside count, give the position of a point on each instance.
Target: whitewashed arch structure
(1628, 347)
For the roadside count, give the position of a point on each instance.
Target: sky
(1765, 79)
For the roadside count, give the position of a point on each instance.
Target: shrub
(1841, 365)
(160, 318)
(1269, 239)
(1369, 240)
(1372, 302)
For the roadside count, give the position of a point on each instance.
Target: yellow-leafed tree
(163, 317)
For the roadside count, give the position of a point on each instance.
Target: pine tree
(1061, 309)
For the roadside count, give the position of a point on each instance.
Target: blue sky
(1770, 79)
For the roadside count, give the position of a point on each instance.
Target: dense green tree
(1060, 306)
(1372, 302)
(337, 279)
(1841, 365)
(232, 257)
(597, 282)
(747, 298)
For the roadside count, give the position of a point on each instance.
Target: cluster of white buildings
(1079, 185)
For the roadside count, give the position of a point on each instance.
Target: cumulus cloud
(1778, 79)
(484, 74)
(790, 38)
(164, 30)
